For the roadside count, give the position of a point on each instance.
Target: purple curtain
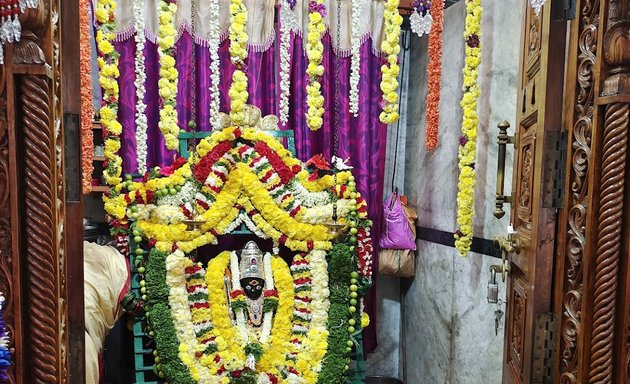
(362, 139)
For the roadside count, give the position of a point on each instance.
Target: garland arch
(241, 175)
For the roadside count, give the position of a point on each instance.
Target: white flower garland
(355, 59)
(178, 301)
(320, 305)
(288, 23)
(215, 72)
(269, 285)
(317, 214)
(184, 196)
(140, 80)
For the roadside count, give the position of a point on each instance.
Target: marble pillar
(449, 334)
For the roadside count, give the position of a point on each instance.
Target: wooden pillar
(608, 296)
(40, 234)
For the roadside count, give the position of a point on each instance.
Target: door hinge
(563, 10)
(555, 165)
(544, 348)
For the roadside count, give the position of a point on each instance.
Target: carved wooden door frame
(593, 279)
(40, 213)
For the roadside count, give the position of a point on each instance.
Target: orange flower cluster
(434, 76)
(87, 108)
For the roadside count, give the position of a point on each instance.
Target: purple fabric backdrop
(361, 139)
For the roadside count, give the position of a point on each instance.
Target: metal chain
(337, 90)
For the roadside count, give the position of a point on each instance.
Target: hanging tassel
(17, 27)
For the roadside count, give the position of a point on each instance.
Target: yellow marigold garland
(108, 79)
(168, 73)
(468, 140)
(390, 46)
(315, 69)
(281, 331)
(238, 52)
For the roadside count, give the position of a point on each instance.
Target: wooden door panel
(516, 325)
(538, 117)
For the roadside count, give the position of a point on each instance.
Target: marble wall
(448, 331)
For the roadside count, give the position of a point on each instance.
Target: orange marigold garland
(434, 76)
(87, 108)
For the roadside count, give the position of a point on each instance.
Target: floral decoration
(214, 40)
(87, 108)
(108, 79)
(238, 52)
(434, 73)
(315, 69)
(140, 80)
(390, 47)
(468, 140)
(355, 58)
(245, 176)
(168, 72)
(288, 23)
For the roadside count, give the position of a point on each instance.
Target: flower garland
(238, 52)
(5, 352)
(109, 73)
(215, 72)
(355, 58)
(434, 73)
(288, 22)
(168, 73)
(468, 140)
(87, 107)
(176, 264)
(140, 80)
(337, 356)
(390, 47)
(315, 69)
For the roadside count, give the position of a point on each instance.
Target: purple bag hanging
(396, 233)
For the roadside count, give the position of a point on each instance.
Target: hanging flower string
(87, 108)
(315, 69)
(108, 79)
(140, 80)
(390, 70)
(215, 72)
(434, 73)
(421, 20)
(468, 140)
(238, 52)
(168, 73)
(287, 24)
(355, 58)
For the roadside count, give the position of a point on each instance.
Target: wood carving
(578, 198)
(6, 254)
(41, 277)
(608, 242)
(27, 51)
(611, 208)
(518, 298)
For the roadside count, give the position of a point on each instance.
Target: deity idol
(252, 281)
